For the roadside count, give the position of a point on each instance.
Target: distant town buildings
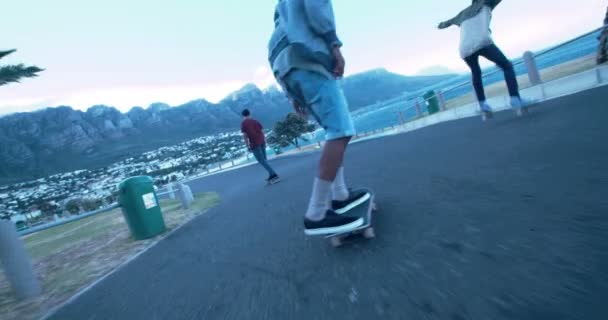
(29, 200)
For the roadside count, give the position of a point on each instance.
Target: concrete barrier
(16, 262)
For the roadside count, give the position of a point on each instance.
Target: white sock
(339, 191)
(319, 201)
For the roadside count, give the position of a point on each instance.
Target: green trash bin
(432, 103)
(140, 207)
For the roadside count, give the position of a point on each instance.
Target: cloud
(263, 77)
(25, 104)
(262, 71)
(124, 98)
(434, 71)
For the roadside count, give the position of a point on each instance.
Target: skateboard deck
(364, 210)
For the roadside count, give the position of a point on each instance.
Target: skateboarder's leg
(331, 111)
(339, 190)
(258, 153)
(331, 161)
(325, 101)
(494, 54)
(264, 152)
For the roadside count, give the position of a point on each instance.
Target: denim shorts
(324, 99)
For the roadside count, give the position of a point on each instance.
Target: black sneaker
(333, 223)
(355, 198)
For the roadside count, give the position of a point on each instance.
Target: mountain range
(58, 139)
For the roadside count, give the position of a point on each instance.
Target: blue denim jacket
(304, 35)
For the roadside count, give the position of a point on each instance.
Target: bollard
(440, 97)
(533, 73)
(418, 111)
(189, 194)
(171, 191)
(185, 195)
(17, 264)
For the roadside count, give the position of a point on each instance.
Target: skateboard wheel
(335, 242)
(369, 233)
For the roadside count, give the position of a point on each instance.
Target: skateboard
(364, 210)
(489, 115)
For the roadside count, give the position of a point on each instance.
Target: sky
(133, 53)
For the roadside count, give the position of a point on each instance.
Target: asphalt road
(500, 220)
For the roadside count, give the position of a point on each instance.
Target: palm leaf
(14, 73)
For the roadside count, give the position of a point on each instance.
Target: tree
(288, 131)
(48, 208)
(91, 204)
(73, 206)
(14, 73)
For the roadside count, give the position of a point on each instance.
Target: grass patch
(68, 258)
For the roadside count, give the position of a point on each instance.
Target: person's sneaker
(521, 106)
(332, 224)
(486, 111)
(273, 179)
(355, 198)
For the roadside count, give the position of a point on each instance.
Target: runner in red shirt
(256, 143)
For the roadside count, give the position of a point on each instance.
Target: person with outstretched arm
(475, 41)
(305, 57)
(256, 143)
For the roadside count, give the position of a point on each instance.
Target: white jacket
(475, 33)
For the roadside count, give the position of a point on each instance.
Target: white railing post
(533, 73)
(441, 99)
(17, 264)
(418, 111)
(171, 191)
(185, 195)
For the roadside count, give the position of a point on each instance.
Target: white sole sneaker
(333, 230)
(486, 115)
(353, 204)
